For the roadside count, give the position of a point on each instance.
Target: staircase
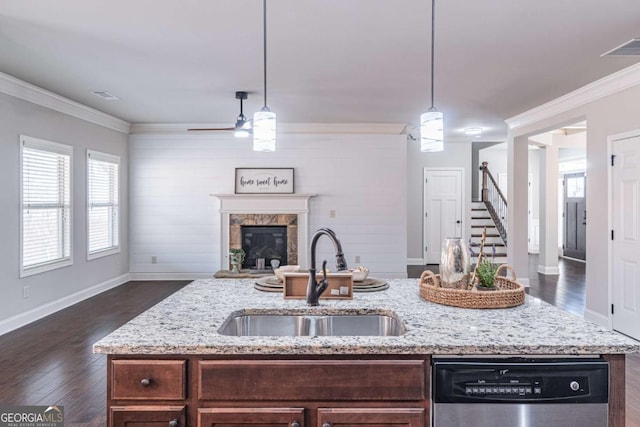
(494, 248)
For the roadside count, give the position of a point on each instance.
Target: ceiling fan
(243, 127)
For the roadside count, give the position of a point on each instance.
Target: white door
(626, 242)
(443, 209)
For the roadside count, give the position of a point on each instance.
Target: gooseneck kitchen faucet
(315, 289)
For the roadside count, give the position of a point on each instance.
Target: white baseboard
(543, 269)
(523, 280)
(598, 318)
(415, 261)
(170, 276)
(37, 313)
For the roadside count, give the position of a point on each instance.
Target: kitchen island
(170, 364)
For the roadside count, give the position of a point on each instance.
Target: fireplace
(266, 242)
(289, 210)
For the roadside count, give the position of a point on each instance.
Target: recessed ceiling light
(104, 95)
(473, 131)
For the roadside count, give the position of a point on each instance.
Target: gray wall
(455, 154)
(605, 117)
(57, 286)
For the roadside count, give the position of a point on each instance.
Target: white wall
(53, 289)
(605, 116)
(455, 154)
(175, 218)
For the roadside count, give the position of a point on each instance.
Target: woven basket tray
(509, 293)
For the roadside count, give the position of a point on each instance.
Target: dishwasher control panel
(520, 380)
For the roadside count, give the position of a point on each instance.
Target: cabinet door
(371, 417)
(147, 416)
(254, 417)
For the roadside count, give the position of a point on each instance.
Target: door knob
(458, 222)
(326, 425)
(295, 424)
(174, 423)
(145, 382)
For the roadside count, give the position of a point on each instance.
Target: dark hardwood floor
(50, 361)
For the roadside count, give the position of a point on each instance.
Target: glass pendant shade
(264, 131)
(432, 131)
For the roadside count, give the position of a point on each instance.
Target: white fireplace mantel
(265, 204)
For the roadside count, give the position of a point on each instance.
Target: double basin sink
(292, 325)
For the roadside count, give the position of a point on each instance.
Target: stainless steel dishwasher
(520, 392)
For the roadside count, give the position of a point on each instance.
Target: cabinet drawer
(312, 380)
(254, 417)
(148, 379)
(147, 416)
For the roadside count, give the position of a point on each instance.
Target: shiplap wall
(175, 218)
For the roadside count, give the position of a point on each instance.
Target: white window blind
(46, 205)
(103, 204)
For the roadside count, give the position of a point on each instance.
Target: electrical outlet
(25, 292)
(357, 259)
(332, 213)
(154, 259)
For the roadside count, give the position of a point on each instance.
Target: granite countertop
(187, 323)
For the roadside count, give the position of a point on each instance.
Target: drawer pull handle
(145, 382)
(295, 424)
(327, 425)
(174, 423)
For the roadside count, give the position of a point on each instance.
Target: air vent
(105, 95)
(632, 47)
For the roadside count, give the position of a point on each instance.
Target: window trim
(100, 156)
(53, 147)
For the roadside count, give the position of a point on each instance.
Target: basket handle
(430, 274)
(506, 267)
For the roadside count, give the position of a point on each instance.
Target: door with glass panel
(575, 216)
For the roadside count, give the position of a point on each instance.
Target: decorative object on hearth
(236, 256)
(455, 264)
(432, 122)
(275, 263)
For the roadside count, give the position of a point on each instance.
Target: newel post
(485, 191)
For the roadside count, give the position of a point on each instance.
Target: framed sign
(264, 181)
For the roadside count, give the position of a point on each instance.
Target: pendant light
(432, 122)
(264, 121)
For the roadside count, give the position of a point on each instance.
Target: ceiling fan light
(264, 130)
(241, 133)
(432, 131)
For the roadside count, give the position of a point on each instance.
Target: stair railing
(495, 201)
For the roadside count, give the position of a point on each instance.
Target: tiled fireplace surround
(291, 210)
(236, 221)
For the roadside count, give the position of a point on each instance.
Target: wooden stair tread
(481, 217)
(482, 226)
(488, 235)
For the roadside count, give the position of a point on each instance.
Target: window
(102, 204)
(45, 196)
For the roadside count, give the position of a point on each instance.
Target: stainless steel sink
(278, 325)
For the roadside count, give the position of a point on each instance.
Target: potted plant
(236, 259)
(485, 275)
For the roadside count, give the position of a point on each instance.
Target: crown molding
(283, 128)
(616, 82)
(36, 95)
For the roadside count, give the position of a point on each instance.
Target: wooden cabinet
(148, 379)
(253, 417)
(362, 417)
(147, 416)
(318, 391)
